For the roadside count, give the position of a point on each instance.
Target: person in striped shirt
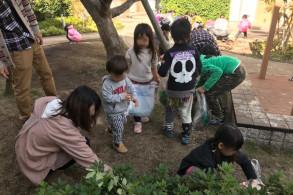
(20, 49)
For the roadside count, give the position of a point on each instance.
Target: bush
(278, 53)
(52, 31)
(123, 180)
(54, 26)
(208, 9)
(45, 9)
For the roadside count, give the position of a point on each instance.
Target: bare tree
(102, 14)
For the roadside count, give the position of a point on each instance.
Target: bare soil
(240, 46)
(83, 64)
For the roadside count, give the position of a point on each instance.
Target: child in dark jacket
(224, 147)
(182, 64)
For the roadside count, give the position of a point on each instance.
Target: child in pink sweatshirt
(72, 35)
(243, 26)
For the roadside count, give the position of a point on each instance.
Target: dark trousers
(137, 119)
(70, 163)
(223, 85)
(245, 34)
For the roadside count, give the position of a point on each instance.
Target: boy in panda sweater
(182, 64)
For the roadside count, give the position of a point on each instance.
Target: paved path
(48, 41)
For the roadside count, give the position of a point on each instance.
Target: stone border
(276, 139)
(250, 114)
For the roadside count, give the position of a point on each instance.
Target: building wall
(262, 16)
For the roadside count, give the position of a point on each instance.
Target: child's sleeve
(128, 58)
(249, 25)
(131, 88)
(154, 62)
(165, 65)
(215, 74)
(109, 97)
(70, 32)
(246, 166)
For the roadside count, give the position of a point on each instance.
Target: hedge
(123, 180)
(208, 9)
(54, 26)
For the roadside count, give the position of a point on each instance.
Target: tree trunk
(102, 16)
(9, 82)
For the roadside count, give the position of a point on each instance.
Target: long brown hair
(76, 108)
(142, 29)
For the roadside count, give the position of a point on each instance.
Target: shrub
(54, 26)
(45, 9)
(52, 31)
(278, 53)
(208, 9)
(123, 180)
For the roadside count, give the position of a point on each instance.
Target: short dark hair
(76, 108)
(117, 65)
(165, 27)
(180, 30)
(244, 16)
(208, 50)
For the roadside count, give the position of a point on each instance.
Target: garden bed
(83, 64)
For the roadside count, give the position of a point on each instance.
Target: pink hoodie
(73, 34)
(244, 25)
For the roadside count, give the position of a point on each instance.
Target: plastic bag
(257, 170)
(145, 98)
(255, 183)
(161, 93)
(201, 117)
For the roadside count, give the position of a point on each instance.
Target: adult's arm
(31, 16)
(246, 166)
(74, 144)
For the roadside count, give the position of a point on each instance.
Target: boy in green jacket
(224, 74)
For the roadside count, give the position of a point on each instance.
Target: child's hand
(158, 80)
(201, 90)
(136, 102)
(127, 97)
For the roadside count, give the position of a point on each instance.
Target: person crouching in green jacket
(218, 76)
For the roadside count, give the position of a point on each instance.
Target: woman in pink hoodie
(243, 26)
(72, 35)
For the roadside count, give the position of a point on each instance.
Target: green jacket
(214, 68)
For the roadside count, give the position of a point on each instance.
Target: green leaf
(119, 191)
(90, 175)
(111, 185)
(124, 181)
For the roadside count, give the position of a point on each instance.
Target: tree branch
(122, 8)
